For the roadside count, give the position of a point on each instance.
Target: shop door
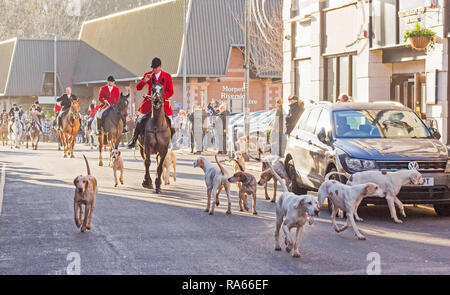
(409, 90)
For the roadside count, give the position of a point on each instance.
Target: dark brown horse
(156, 137)
(113, 126)
(33, 131)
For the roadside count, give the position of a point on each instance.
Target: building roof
(24, 62)
(132, 38)
(6, 57)
(123, 45)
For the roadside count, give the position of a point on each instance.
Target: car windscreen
(379, 124)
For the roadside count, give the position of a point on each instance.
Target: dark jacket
(11, 113)
(224, 116)
(65, 101)
(295, 111)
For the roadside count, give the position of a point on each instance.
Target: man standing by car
(296, 109)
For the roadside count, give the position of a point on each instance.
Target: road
(138, 232)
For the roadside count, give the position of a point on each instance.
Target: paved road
(138, 232)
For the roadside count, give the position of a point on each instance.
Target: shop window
(48, 85)
(340, 77)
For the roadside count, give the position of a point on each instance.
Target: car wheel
(442, 209)
(292, 173)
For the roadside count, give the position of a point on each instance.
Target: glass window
(343, 74)
(379, 124)
(303, 119)
(354, 80)
(384, 19)
(323, 122)
(331, 79)
(312, 120)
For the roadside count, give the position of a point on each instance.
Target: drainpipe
(445, 7)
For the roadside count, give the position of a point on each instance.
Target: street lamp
(54, 62)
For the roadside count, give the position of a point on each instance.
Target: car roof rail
(389, 102)
(324, 102)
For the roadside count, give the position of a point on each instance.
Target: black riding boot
(172, 130)
(140, 124)
(124, 120)
(99, 126)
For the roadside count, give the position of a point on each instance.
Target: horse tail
(87, 165)
(220, 166)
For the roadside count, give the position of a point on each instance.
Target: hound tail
(87, 165)
(220, 166)
(283, 185)
(322, 194)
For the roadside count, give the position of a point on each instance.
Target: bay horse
(156, 137)
(33, 131)
(4, 129)
(112, 129)
(70, 127)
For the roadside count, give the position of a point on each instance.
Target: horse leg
(147, 179)
(162, 157)
(100, 147)
(72, 146)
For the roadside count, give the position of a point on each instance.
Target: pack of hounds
(292, 211)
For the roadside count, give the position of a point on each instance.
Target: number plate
(429, 181)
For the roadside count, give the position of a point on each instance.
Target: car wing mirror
(436, 134)
(322, 135)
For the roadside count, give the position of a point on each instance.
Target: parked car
(353, 137)
(260, 123)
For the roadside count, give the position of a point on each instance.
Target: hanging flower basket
(419, 42)
(420, 38)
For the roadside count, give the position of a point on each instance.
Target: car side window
(312, 120)
(303, 119)
(324, 122)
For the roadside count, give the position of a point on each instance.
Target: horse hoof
(100, 164)
(158, 191)
(147, 185)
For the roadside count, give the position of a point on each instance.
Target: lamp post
(55, 60)
(247, 76)
(185, 106)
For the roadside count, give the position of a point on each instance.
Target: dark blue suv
(352, 137)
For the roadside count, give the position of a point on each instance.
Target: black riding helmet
(156, 62)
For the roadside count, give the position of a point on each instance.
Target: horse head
(157, 95)
(75, 108)
(122, 104)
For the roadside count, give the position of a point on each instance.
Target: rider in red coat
(108, 96)
(146, 105)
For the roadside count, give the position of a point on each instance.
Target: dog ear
(368, 189)
(119, 153)
(75, 181)
(300, 203)
(86, 186)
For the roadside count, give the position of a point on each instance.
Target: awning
(47, 100)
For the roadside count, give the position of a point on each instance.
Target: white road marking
(2, 187)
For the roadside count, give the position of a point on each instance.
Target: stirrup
(132, 143)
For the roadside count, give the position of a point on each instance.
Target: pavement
(136, 231)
